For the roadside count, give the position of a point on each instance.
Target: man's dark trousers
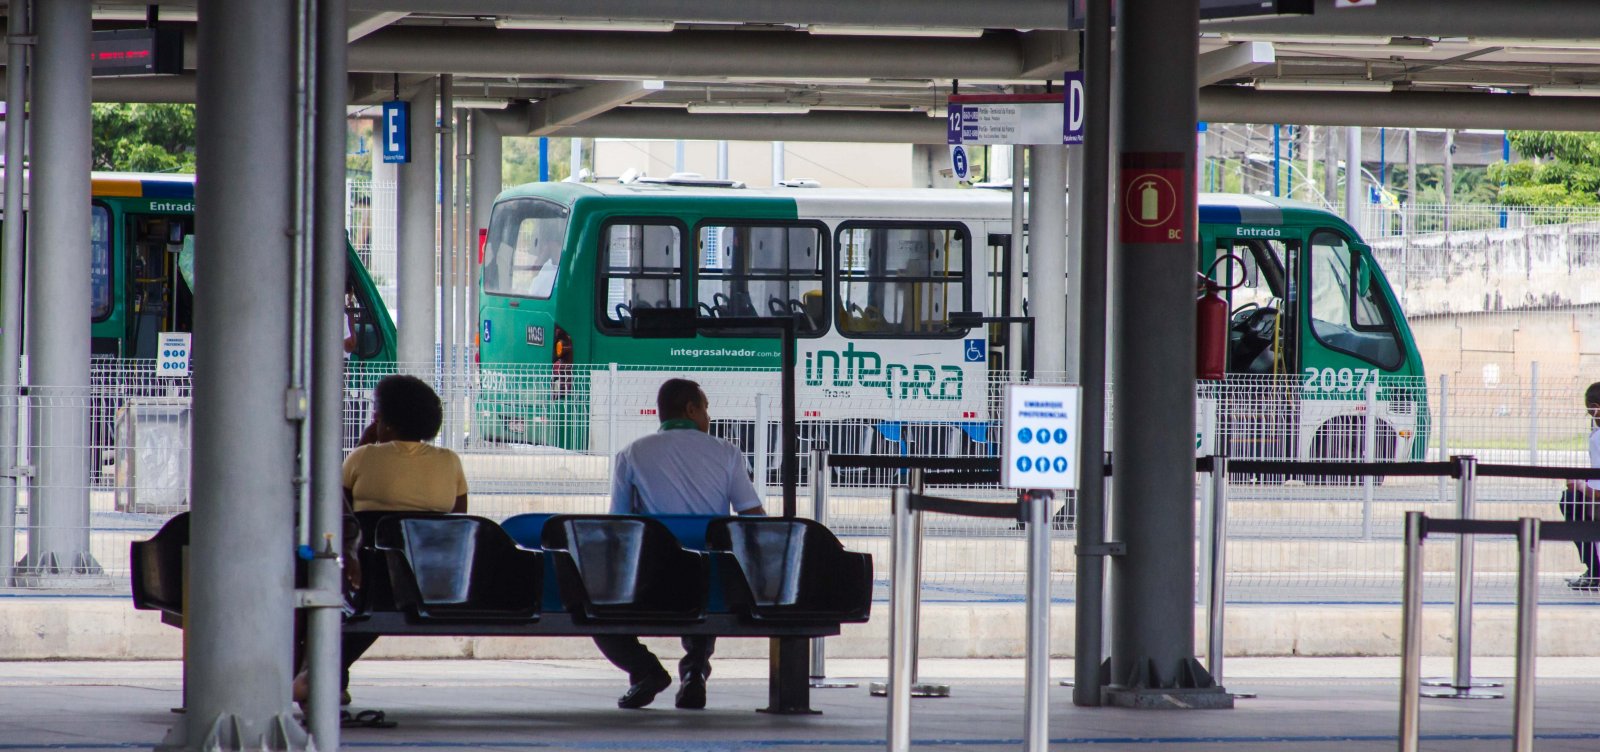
(1585, 508)
(630, 655)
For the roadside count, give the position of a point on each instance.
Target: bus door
(1259, 412)
(159, 300)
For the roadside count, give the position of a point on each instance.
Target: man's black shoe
(692, 692)
(644, 692)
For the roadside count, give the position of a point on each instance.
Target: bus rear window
(901, 280)
(99, 263)
(523, 253)
(761, 270)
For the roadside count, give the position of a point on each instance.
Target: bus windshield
(523, 252)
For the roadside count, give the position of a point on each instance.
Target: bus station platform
(1303, 705)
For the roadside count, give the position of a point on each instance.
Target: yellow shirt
(404, 476)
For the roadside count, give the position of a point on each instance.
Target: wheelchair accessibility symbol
(976, 350)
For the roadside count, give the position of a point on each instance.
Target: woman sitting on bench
(394, 469)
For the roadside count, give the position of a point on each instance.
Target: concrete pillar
(414, 261)
(384, 223)
(1152, 599)
(58, 317)
(242, 527)
(1352, 175)
(486, 180)
(1047, 257)
(327, 366)
(11, 273)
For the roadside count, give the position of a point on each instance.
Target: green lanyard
(676, 424)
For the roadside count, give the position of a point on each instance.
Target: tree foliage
(1559, 169)
(144, 137)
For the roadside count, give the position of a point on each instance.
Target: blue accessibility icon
(1061, 435)
(976, 350)
(1024, 464)
(1025, 435)
(488, 331)
(1061, 464)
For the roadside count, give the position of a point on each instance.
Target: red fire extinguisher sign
(1154, 189)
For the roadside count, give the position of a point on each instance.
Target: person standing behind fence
(680, 469)
(1580, 501)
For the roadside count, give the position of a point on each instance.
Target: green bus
(873, 277)
(139, 227)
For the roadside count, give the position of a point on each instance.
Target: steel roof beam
(994, 14)
(1546, 19)
(662, 122)
(1234, 60)
(551, 115)
(362, 24)
(1236, 104)
(681, 54)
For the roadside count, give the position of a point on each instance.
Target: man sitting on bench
(680, 469)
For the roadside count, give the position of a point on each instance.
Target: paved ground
(512, 705)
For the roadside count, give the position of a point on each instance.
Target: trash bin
(152, 454)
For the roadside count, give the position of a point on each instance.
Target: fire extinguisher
(1211, 326)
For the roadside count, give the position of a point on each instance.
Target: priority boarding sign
(1041, 445)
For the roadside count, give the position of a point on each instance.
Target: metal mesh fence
(1290, 539)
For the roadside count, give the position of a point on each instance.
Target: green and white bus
(139, 227)
(873, 277)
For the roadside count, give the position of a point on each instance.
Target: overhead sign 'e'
(397, 132)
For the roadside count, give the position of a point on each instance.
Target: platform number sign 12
(172, 358)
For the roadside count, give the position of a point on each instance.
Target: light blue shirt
(681, 471)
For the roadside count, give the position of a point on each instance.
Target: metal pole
(612, 405)
(777, 162)
(1154, 596)
(722, 160)
(11, 272)
(575, 159)
(902, 611)
(1369, 443)
(414, 261)
(465, 328)
(1444, 424)
(680, 156)
(1037, 711)
(1533, 413)
(914, 482)
(58, 354)
(1449, 186)
(1216, 596)
(486, 179)
(1527, 633)
(1352, 176)
(790, 467)
(327, 371)
(444, 368)
(1013, 269)
(1072, 334)
(1460, 685)
(1090, 585)
(761, 444)
(1047, 257)
(819, 512)
(240, 619)
(1411, 636)
(544, 159)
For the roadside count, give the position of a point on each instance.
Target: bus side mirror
(1363, 275)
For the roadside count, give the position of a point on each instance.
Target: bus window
(901, 280)
(523, 252)
(760, 270)
(1346, 318)
(644, 269)
(99, 263)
